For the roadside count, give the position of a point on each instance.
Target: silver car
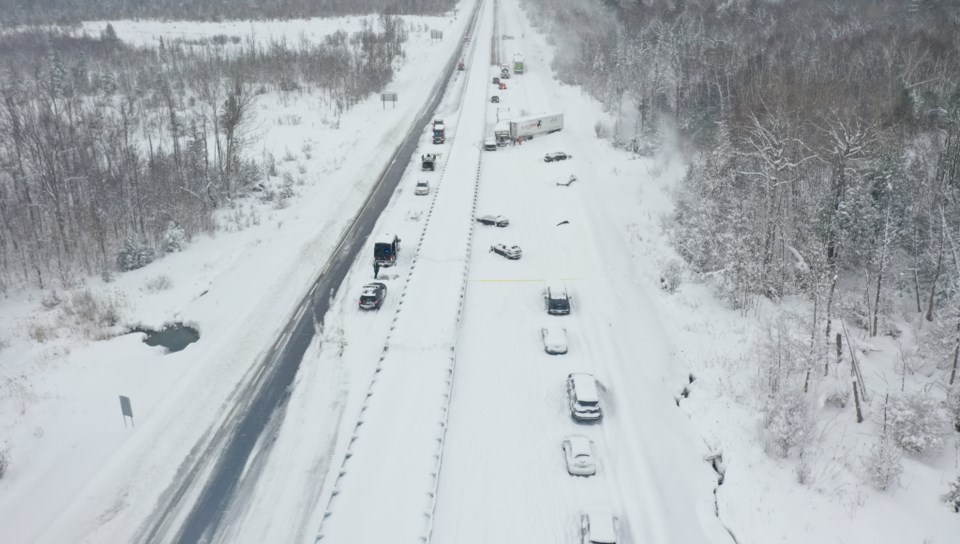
(578, 452)
(599, 527)
(554, 340)
(510, 252)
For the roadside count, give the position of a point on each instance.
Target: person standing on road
(376, 269)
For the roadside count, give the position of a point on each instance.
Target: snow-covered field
(358, 458)
(76, 473)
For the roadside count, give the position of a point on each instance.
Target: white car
(599, 527)
(490, 144)
(511, 252)
(554, 340)
(578, 452)
(565, 182)
(422, 188)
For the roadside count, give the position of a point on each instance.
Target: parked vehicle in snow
(422, 188)
(496, 81)
(504, 72)
(385, 250)
(503, 86)
(372, 296)
(490, 144)
(557, 299)
(556, 156)
(494, 99)
(439, 131)
(532, 125)
(518, 66)
(511, 252)
(554, 340)
(599, 527)
(501, 131)
(460, 65)
(495, 220)
(583, 397)
(428, 161)
(578, 452)
(565, 182)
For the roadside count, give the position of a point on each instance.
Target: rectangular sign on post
(436, 34)
(127, 409)
(388, 97)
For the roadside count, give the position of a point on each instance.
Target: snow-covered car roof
(372, 288)
(586, 386)
(579, 445)
(423, 183)
(602, 527)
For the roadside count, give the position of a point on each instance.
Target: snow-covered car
(511, 252)
(599, 527)
(422, 188)
(490, 144)
(556, 156)
(565, 182)
(495, 220)
(584, 397)
(557, 299)
(496, 81)
(554, 340)
(578, 452)
(372, 296)
(495, 99)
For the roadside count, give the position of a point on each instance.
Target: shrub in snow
(174, 238)
(884, 464)
(671, 276)
(107, 275)
(51, 301)
(952, 496)
(134, 254)
(953, 406)
(90, 314)
(787, 422)
(916, 422)
(158, 283)
(4, 460)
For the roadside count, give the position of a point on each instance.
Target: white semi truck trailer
(533, 125)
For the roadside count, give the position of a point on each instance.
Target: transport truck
(532, 125)
(501, 131)
(518, 64)
(385, 249)
(439, 132)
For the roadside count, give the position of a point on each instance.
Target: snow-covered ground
(361, 468)
(77, 474)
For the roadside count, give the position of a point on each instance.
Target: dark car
(558, 156)
(495, 99)
(496, 81)
(372, 296)
(496, 220)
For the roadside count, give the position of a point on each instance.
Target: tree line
(20, 12)
(109, 153)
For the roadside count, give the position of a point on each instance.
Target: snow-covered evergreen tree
(916, 422)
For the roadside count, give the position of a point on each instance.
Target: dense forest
(110, 154)
(824, 140)
(14, 12)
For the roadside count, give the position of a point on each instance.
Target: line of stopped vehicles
(583, 390)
